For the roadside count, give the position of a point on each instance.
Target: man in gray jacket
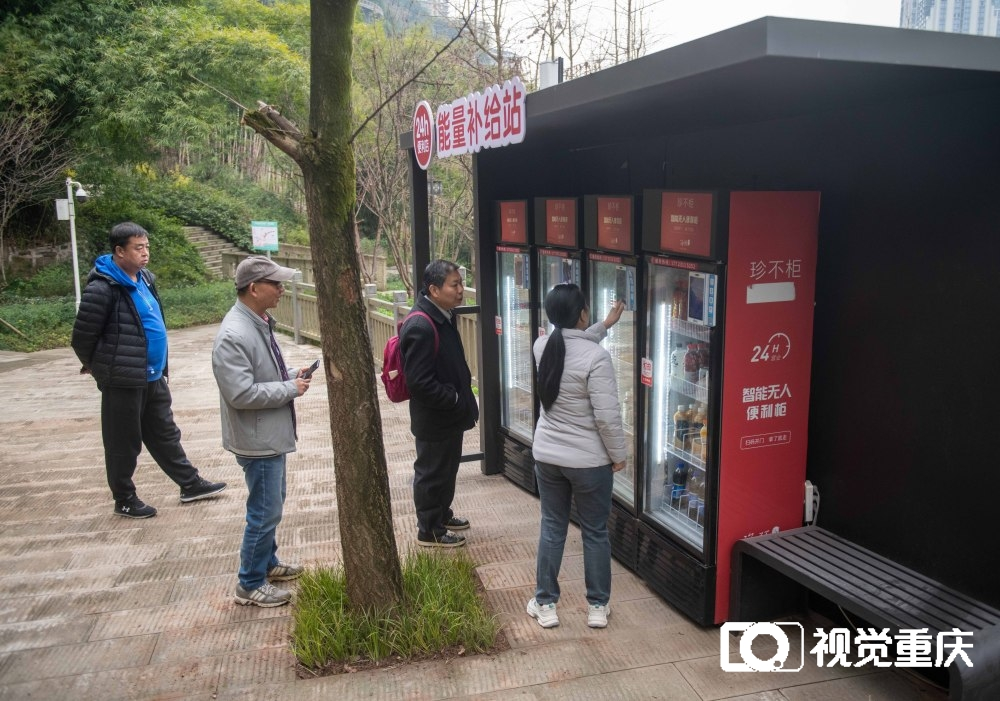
(257, 391)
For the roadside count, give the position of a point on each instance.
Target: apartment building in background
(959, 16)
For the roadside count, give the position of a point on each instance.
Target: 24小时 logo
(783, 634)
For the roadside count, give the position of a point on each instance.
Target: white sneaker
(597, 615)
(545, 614)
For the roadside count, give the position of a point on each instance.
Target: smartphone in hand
(309, 370)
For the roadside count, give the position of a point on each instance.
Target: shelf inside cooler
(682, 519)
(685, 455)
(691, 330)
(692, 390)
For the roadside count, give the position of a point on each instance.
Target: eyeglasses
(277, 284)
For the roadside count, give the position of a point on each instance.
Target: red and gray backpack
(392, 361)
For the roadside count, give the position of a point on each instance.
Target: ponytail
(550, 368)
(563, 305)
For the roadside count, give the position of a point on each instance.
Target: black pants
(131, 417)
(435, 470)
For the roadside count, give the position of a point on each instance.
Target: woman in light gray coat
(578, 445)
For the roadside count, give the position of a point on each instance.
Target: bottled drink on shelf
(696, 496)
(679, 481)
(680, 426)
(677, 361)
(703, 432)
(692, 361)
(695, 422)
(679, 307)
(696, 491)
(704, 355)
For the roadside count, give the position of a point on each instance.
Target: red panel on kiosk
(770, 292)
(560, 222)
(614, 224)
(513, 218)
(686, 223)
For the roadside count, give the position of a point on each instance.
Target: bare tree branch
(414, 77)
(33, 161)
(282, 132)
(215, 89)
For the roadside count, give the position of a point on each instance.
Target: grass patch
(40, 324)
(442, 615)
(200, 304)
(48, 322)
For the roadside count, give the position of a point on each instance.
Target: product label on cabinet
(514, 221)
(560, 222)
(614, 223)
(686, 223)
(646, 376)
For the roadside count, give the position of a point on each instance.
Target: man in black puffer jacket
(442, 405)
(120, 336)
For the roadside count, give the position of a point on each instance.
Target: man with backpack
(442, 405)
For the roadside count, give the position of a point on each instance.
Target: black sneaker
(448, 540)
(133, 508)
(457, 524)
(202, 489)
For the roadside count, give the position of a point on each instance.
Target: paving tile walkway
(94, 606)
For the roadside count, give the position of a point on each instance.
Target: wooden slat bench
(771, 573)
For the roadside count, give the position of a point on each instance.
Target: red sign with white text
(514, 221)
(770, 292)
(560, 222)
(614, 223)
(423, 134)
(686, 223)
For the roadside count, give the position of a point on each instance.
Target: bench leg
(759, 593)
(981, 682)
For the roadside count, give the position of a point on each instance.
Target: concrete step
(211, 246)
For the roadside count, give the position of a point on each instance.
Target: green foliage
(50, 281)
(227, 207)
(48, 323)
(442, 611)
(133, 75)
(162, 205)
(172, 257)
(45, 323)
(200, 304)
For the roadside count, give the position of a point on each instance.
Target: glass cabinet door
(678, 409)
(554, 269)
(608, 283)
(516, 401)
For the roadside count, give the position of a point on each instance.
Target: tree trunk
(371, 561)
(368, 543)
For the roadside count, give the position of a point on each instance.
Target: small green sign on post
(265, 235)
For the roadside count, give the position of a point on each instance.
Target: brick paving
(95, 606)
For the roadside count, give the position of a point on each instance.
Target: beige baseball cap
(254, 268)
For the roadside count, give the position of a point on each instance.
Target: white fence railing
(297, 314)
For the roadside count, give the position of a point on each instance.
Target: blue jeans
(591, 488)
(266, 486)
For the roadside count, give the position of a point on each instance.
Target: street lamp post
(71, 203)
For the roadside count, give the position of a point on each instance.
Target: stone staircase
(211, 246)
